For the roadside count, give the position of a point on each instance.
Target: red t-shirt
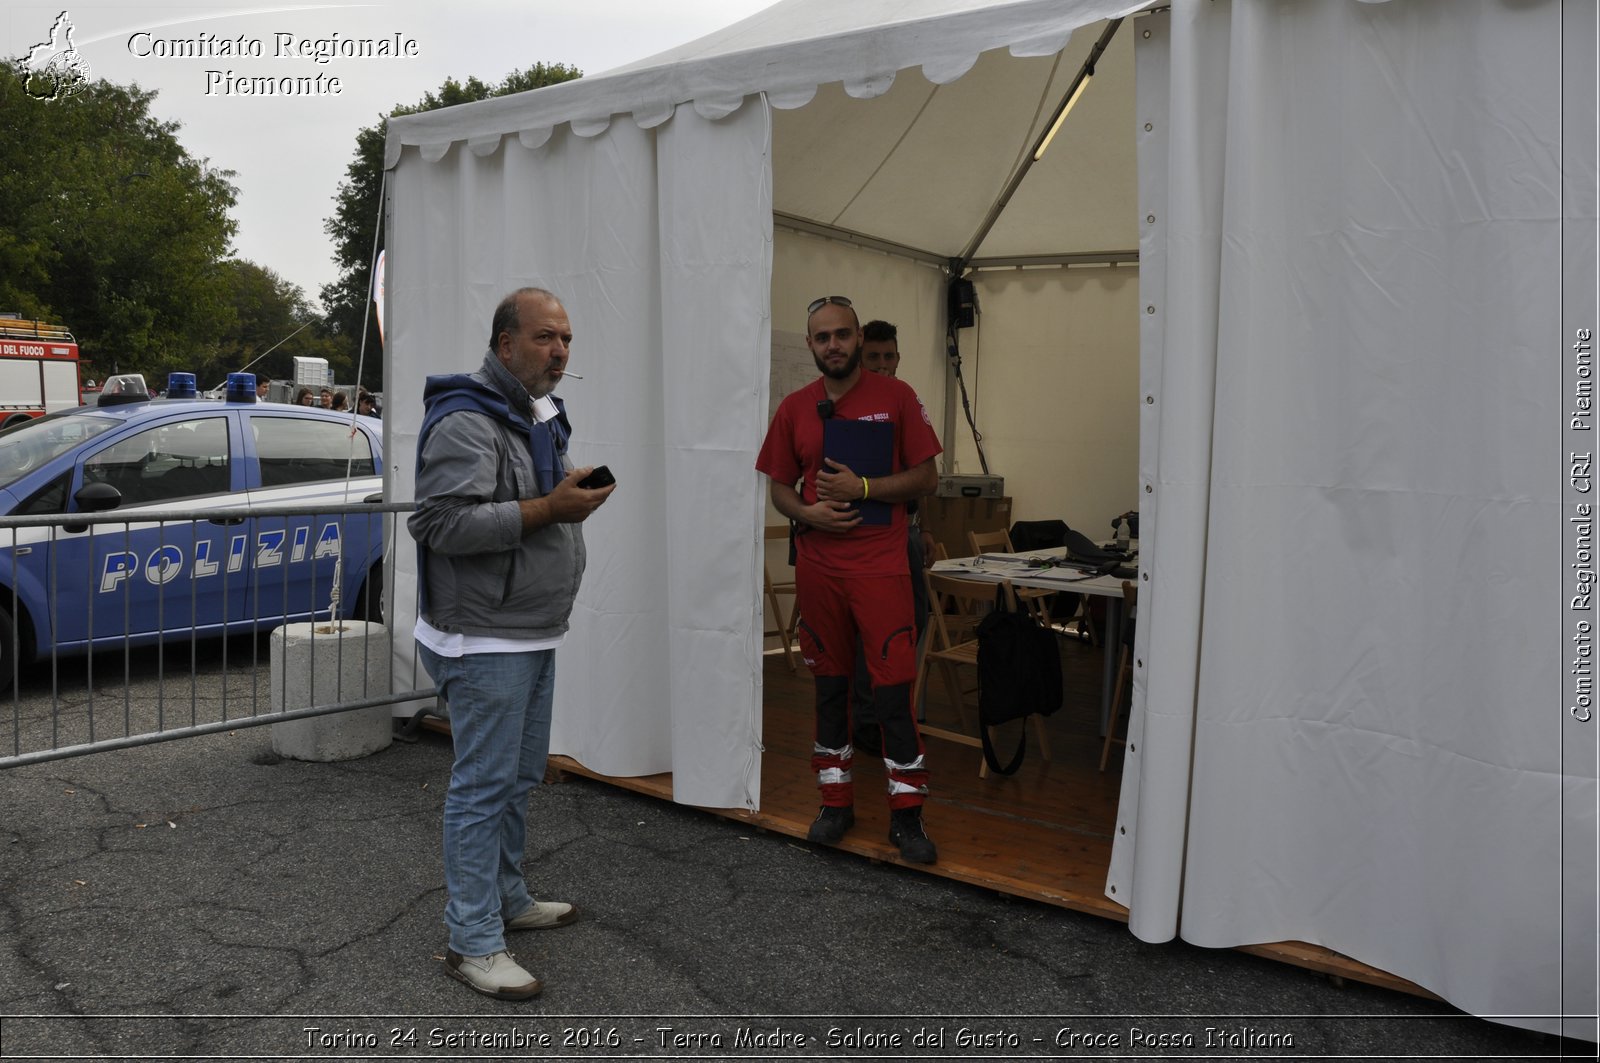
(793, 448)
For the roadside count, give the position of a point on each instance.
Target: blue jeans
(500, 724)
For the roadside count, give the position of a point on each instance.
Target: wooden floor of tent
(1044, 833)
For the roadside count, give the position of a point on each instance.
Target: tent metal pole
(958, 266)
(999, 207)
(1080, 258)
(952, 386)
(850, 236)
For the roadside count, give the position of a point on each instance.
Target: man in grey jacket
(500, 556)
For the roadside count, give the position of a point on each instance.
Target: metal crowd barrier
(102, 574)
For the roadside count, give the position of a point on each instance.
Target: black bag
(1019, 674)
(1030, 535)
(1084, 550)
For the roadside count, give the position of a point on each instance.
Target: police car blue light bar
(241, 387)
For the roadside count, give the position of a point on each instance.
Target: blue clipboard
(867, 448)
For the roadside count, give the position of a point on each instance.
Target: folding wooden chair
(999, 542)
(953, 642)
(786, 622)
(1037, 600)
(1124, 671)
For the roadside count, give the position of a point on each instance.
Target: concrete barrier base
(323, 664)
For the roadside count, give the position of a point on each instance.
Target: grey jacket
(484, 576)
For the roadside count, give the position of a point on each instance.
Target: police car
(69, 587)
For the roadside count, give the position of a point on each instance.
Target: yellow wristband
(865, 489)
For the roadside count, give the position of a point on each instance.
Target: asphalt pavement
(204, 899)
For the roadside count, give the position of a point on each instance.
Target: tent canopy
(1347, 723)
(921, 171)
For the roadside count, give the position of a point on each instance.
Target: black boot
(905, 831)
(831, 823)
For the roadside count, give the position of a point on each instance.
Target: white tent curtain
(1350, 724)
(659, 243)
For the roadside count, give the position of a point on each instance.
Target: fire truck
(38, 370)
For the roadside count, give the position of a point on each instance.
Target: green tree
(269, 323)
(355, 219)
(108, 226)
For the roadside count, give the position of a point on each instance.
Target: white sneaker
(496, 975)
(544, 915)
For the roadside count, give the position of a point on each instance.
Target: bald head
(532, 338)
(508, 315)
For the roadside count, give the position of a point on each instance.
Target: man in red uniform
(852, 578)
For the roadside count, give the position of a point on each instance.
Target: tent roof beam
(1086, 258)
(889, 247)
(958, 266)
(850, 236)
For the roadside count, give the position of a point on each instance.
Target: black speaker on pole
(963, 303)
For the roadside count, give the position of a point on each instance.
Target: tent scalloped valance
(713, 108)
(792, 97)
(646, 117)
(1049, 44)
(869, 87)
(536, 138)
(590, 127)
(786, 52)
(943, 72)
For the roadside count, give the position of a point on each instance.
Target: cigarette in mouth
(570, 376)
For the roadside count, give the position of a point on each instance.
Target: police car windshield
(27, 446)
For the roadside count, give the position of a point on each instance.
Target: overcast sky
(289, 154)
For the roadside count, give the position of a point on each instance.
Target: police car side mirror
(94, 498)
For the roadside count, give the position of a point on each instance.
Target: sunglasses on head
(818, 304)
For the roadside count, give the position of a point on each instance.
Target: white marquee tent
(1366, 239)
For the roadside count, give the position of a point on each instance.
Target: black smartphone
(601, 477)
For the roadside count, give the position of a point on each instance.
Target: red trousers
(833, 611)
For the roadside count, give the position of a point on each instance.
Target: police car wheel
(8, 655)
(369, 599)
